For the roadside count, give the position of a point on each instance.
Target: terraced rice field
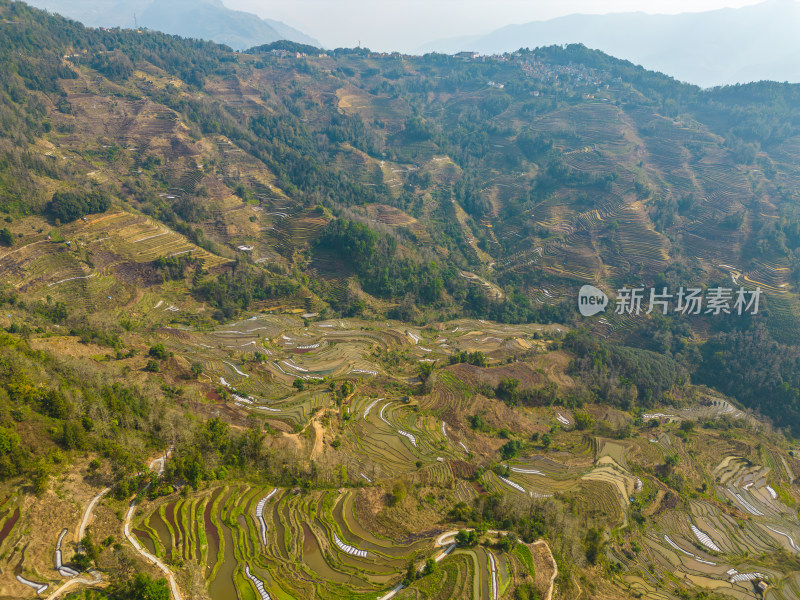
(281, 543)
(713, 547)
(312, 545)
(119, 244)
(335, 349)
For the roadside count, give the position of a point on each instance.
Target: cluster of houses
(569, 74)
(289, 54)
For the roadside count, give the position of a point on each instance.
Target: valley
(293, 323)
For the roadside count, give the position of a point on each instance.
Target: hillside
(487, 188)
(718, 47)
(292, 323)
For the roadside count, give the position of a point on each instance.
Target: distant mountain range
(204, 19)
(708, 48)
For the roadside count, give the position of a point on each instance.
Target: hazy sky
(406, 24)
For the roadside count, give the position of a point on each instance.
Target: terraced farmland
(172, 286)
(314, 544)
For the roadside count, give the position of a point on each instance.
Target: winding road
(80, 532)
(126, 529)
(173, 586)
(87, 514)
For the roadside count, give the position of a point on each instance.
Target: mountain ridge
(202, 19)
(705, 48)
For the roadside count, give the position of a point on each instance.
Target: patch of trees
(466, 538)
(558, 174)
(417, 129)
(593, 543)
(494, 104)
(141, 587)
(286, 145)
(190, 210)
(13, 458)
(159, 351)
(781, 236)
(73, 412)
(478, 423)
(19, 190)
(622, 375)
(351, 129)
(510, 449)
(515, 308)
(526, 591)
(533, 145)
(476, 358)
(492, 511)
(508, 390)
(238, 289)
(48, 402)
(285, 45)
(114, 65)
(469, 142)
(761, 373)
(758, 114)
(174, 268)
(53, 311)
(381, 270)
(468, 195)
(213, 450)
(67, 206)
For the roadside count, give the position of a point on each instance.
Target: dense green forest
(750, 366)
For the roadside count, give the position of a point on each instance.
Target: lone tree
(158, 351)
(430, 567)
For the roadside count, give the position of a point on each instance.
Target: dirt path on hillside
(319, 433)
(64, 587)
(81, 531)
(158, 466)
(551, 587)
(126, 530)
